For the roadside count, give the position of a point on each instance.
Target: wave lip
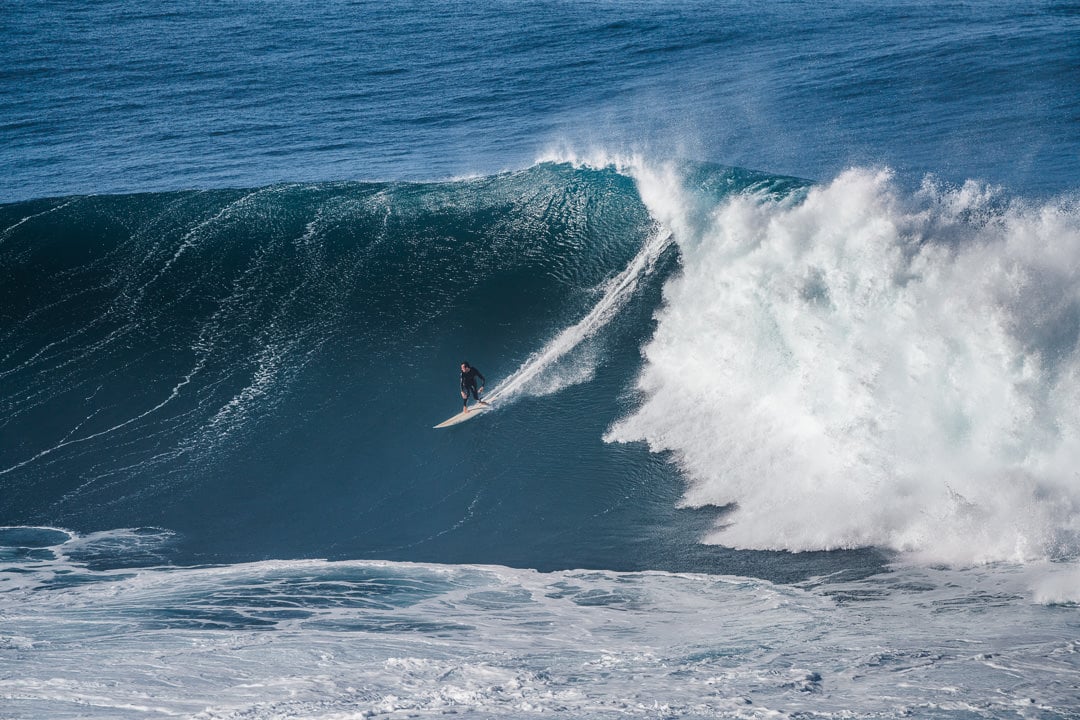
(868, 367)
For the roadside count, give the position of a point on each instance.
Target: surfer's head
(465, 365)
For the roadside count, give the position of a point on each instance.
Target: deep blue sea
(778, 306)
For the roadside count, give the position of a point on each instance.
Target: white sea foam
(311, 639)
(865, 366)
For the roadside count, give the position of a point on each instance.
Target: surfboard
(463, 416)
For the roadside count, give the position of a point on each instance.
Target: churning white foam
(864, 366)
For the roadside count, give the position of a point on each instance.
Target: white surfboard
(463, 416)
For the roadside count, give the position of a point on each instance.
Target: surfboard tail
(461, 417)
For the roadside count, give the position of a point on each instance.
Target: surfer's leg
(476, 395)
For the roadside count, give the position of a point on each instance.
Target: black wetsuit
(468, 382)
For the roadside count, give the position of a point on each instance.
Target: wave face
(263, 367)
(858, 365)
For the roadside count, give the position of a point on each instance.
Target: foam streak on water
(869, 367)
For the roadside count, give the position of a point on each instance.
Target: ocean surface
(778, 307)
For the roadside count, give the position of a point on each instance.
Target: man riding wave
(469, 375)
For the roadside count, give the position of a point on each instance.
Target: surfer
(469, 375)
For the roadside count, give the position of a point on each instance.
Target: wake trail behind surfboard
(616, 292)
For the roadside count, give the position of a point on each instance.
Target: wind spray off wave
(865, 367)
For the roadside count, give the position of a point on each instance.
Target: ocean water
(778, 306)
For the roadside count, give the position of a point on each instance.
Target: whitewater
(860, 366)
(309, 639)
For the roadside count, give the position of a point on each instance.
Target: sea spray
(867, 367)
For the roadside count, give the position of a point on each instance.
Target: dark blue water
(121, 97)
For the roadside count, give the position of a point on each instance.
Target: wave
(838, 365)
